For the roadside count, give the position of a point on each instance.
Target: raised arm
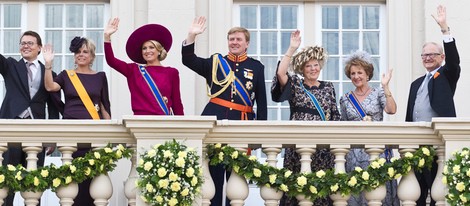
(390, 104)
(110, 29)
(441, 19)
(49, 84)
(197, 27)
(295, 40)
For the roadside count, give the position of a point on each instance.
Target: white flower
(97, 155)
(287, 173)
(301, 181)
(234, 155)
(180, 162)
(272, 178)
(365, 175)
(190, 172)
(173, 176)
(313, 190)
(151, 153)
(358, 169)
(320, 174)
(408, 155)
(426, 151)
(334, 188)
(161, 172)
(148, 166)
(352, 181)
(108, 150)
(257, 172)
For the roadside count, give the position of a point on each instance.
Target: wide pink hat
(144, 33)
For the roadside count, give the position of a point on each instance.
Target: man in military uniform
(234, 82)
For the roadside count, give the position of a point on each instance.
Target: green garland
(319, 183)
(457, 177)
(94, 163)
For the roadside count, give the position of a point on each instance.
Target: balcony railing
(444, 134)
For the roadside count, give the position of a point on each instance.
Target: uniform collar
(235, 58)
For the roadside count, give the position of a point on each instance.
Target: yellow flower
(352, 181)
(119, 154)
(56, 182)
(151, 153)
(141, 162)
(320, 174)
(358, 169)
(365, 175)
(159, 199)
(173, 176)
(391, 172)
(382, 161)
(175, 186)
(68, 180)
(468, 173)
(464, 153)
(221, 156)
(18, 175)
(444, 180)
(2, 178)
(108, 150)
(408, 155)
(451, 196)
(426, 151)
(72, 168)
(460, 186)
(182, 154)
(163, 183)
(257, 172)
(313, 190)
(444, 171)
(44, 173)
(194, 181)
(149, 187)
(218, 145)
(287, 173)
(253, 158)
(185, 192)
(393, 159)
(397, 176)
(234, 155)
(463, 198)
(272, 178)
(408, 169)
(301, 181)
(36, 181)
(375, 165)
(236, 168)
(173, 201)
(91, 162)
(284, 188)
(120, 147)
(167, 154)
(180, 162)
(11, 167)
(87, 171)
(334, 188)
(156, 146)
(97, 155)
(148, 166)
(456, 169)
(161, 172)
(421, 162)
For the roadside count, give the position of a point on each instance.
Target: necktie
(424, 86)
(30, 66)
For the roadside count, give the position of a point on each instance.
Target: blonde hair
(240, 29)
(160, 49)
(306, 54)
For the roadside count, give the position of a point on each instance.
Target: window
(62, 22)
(345, 29)
(270, 26)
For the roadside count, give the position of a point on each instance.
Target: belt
(242, 108)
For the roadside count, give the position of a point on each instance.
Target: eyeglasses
(430, 55)
(29, 43)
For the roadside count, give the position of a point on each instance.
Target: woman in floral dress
(366, 103)
(309, 98)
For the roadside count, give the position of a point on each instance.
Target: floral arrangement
(169, 174)
(319, 183)
(457, 178)
(94, 163)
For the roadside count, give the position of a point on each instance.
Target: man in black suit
(432, 95)
(26, 97)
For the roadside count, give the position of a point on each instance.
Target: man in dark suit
(235, 81)
(26, 97)
(432, 95)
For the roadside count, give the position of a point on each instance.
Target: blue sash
(156, 93)
(352, 99)
(239, 88)
(315, 102)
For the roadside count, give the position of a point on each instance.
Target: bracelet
(48, 68)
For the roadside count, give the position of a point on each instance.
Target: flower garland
(319, 183)
(169, 174)
(457, 178)
(94, 163)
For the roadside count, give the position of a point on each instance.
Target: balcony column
(67, 193)
(408, 189)
(340, 152)
(438, 189)
(208, 188)
(305, 152)
(271, 196)
(3, 191)
(101, 187)
(130, 188)
(375, 196)
(237, 187)
(31, 198)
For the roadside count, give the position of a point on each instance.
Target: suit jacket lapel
(23, 75)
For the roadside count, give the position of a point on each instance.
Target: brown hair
(33, 34)
(368, 67)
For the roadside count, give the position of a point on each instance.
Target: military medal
(248, 74)
(249, 85)
(97, 107)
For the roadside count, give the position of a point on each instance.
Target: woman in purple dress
(96, 86)
(154, 88)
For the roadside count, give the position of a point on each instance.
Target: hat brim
(144, 33)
